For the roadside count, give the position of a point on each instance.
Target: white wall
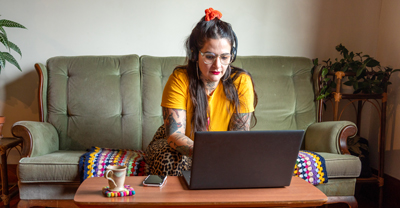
(389, 55)
(310, 28)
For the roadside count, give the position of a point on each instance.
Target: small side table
(5, 144)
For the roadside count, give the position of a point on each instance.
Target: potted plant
(364, 73)
(5, 56)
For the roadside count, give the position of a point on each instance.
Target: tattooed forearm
(181, 143)
(172, 120)
(175, 126)
(172, 125)
(176, 111)
(240, 122)
(185, 150)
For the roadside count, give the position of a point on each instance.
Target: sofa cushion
(95, 101)
(338, 187)
(341, 166)
(59, 166)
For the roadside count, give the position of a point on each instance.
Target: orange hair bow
(212, 14)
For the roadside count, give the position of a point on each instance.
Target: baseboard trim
(391, 195)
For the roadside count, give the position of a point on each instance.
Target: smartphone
(154, 180)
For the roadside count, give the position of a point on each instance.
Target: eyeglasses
(209, 58)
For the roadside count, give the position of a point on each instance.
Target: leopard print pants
(162, 159)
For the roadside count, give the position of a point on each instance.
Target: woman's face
(214, 71)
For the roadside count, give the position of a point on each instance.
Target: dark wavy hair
(204, 30)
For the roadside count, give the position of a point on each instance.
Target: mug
(115, 174)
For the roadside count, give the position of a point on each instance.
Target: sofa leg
(349, 200)
(46, 203)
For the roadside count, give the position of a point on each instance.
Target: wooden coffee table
(175, 193)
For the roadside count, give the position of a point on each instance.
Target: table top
(9, 142)
(176, 193)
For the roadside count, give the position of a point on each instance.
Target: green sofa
(114, 102)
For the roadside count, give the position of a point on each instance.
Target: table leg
(4, 180)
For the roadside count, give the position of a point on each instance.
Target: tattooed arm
(175, 127)
(240, 122)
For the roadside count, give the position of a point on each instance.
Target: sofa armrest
(329, 136)
(39, 138)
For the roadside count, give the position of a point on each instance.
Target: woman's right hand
(175, 126)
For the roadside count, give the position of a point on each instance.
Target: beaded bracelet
(129, 191)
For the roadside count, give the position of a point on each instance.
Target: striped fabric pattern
(94, 162)
(311, 167)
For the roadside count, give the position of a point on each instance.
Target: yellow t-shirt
(176, 95)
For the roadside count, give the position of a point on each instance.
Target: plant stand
(6, 144)
(360, 100)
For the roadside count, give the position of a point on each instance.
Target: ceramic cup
(115, 174)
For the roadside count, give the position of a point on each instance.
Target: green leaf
(351, 55)
(357, 91)
(343, 50)
(359, 71)
(324, 72)
(336, 66)
(9, 23)
(8, 57)
(316, 62)
(3, 31)
(377, 90)
(2, 62)
(396, 70)
(362, 85)
(371, 62)
(348, 83)
(4, 40)
(15, 48)
(323, 89)
(377, 82)
(355, 85)
(320, 97)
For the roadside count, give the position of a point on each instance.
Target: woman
(207, 94)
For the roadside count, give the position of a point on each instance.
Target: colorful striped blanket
(94, 162)
(309, 165)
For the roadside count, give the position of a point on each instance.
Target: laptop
(243, 159)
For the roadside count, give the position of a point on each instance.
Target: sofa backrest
(283, 84)
(285, 91)
(155, 74)
(94, 101)
(114, 101)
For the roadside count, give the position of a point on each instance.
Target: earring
(229, 71)
(197, 70)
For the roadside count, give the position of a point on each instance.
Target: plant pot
(2, 120)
